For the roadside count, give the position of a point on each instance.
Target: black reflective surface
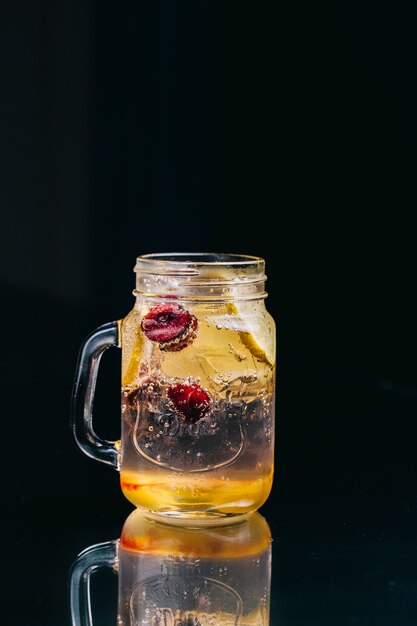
(343, 510)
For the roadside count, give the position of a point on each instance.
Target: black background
(281, 130)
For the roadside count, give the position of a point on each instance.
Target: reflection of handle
(91, 559)
(83, 395)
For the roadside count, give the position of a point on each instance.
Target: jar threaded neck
(200, 275)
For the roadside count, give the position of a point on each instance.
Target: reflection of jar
(198, 382)
(176, 576)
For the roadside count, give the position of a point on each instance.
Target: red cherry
(191, 402)
(171, 326)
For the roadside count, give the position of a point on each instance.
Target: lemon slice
(131, 372)
(259, 344)
(133, 346)
(240, 317)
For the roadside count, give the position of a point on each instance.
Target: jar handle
(84, 387)
(89, 560)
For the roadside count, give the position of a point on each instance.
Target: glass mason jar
(181, 576)
(198, 382)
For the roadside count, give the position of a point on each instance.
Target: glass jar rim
(205, 275)
(195, 263)
(179, 260)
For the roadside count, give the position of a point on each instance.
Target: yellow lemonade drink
(198, 379)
